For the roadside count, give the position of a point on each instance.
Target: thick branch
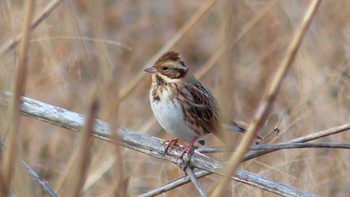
(147, 144)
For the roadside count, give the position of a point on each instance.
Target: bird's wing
(203, 108)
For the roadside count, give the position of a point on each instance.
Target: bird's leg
(170, 143)
(188, 149)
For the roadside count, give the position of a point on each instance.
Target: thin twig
(275, 129)
(195, 181)
(43, 184)
(312, 136)
(173, 184)
(280, 146)
(300, 145)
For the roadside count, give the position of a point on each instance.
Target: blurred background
(234, 47)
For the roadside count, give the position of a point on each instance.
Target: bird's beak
(151, 70)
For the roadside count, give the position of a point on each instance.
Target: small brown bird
(181, 104)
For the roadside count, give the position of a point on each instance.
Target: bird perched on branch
(181, 104)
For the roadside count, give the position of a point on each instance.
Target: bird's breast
(168, 111)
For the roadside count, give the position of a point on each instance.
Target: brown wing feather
(203, 108)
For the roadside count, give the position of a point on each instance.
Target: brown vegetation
(101, 47)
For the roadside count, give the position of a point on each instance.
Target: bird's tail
(235, 126)
(238, 127)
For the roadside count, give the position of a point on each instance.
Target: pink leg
(170, 143)
(187, 148)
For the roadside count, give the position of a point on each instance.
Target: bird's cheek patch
(179, 73)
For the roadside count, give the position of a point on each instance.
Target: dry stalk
(42, 16)
(267, 101)
(7, 163)
(80, 167)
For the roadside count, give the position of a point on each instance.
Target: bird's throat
(160, 81)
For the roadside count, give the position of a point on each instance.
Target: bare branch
(312, 136)
(263, 149)
(175, 183)
(274, 147)
(43, 184)
(147, 144)
(195, 181)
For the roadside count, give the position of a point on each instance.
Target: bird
(181, 104)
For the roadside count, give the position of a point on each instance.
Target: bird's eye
(165, 68)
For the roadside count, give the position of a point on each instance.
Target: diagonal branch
(175, 183)
(195, 181)
(43, 184)
(147, 144)
(265, 149)
(270, 94)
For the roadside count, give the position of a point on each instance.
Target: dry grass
(82, 45)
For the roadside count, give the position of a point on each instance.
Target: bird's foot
(170, 143)
(187, 149)
(185, 156)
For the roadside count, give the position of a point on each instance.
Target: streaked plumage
(180, 103)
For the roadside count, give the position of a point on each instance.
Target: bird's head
(169, 67)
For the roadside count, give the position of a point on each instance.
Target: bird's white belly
(171, 118)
